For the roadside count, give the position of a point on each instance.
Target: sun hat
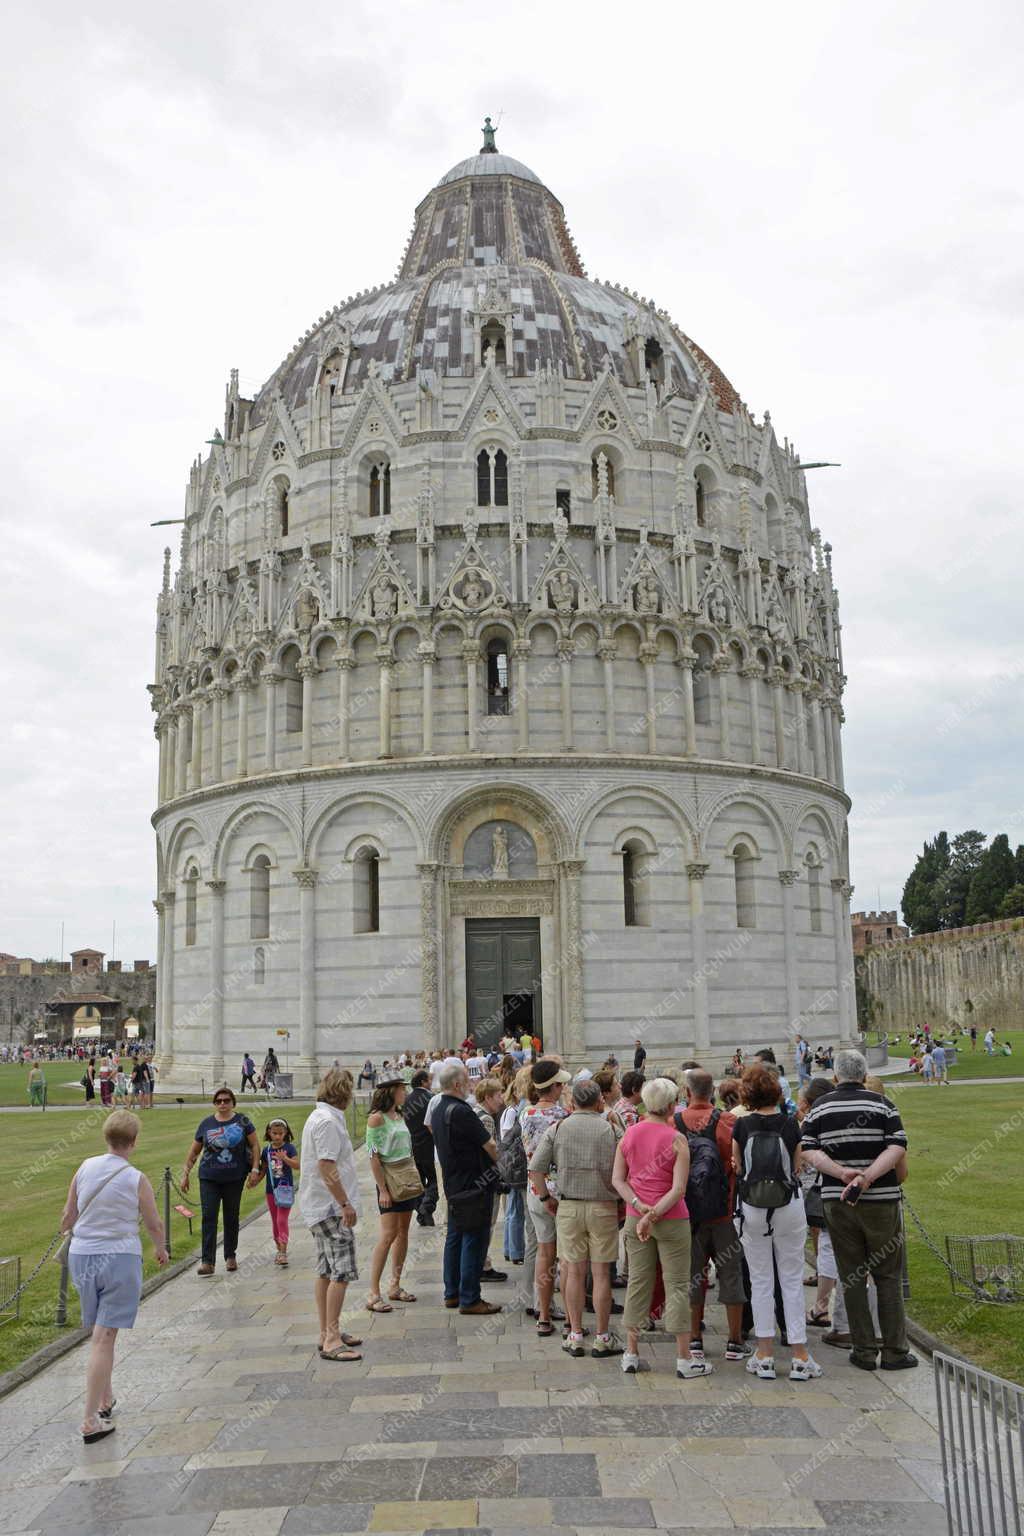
(544, 1073)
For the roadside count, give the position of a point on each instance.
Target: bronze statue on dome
(490, 148)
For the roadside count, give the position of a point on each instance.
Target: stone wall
(968, 976)
(23, 998)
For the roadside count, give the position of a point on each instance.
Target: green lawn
(975, 1063)
(966, 1147)
(49, 1149)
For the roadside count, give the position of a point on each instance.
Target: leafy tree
(920, 893)
(1012, 904)
(994, 877)
(1018, 859)
(964, 857)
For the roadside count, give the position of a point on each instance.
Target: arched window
(776, 529)
(380, 490)
(654, 360)
(702, 690)
(191, 887)
(743, 872)
(492, 343)
(291, 684)
(492, 478)
(498, 690)
(635, 885)
(563, 502)
(814, 891)
(283, 506)
(259, 898)
(366, 891)
(602, 468)
(259, 965)
(276, 506)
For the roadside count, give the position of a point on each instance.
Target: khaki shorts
(716, 1240)
(587, 1229)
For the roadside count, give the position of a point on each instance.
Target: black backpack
(512, 1157)
(768, 1179)
(707, 1189)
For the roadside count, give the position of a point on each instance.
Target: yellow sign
(285, 1032)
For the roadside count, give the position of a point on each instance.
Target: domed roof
(490, 165)
(490, 238)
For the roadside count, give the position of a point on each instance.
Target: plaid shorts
(335, 1249)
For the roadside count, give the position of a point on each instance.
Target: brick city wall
(967, 976)
(23, 998)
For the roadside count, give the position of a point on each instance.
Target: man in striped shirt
(856, 1139)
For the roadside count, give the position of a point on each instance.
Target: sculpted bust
(384, 600)
(647, 595)
(562, 592)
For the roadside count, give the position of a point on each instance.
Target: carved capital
(687, 660)
(218, 887)
(471, 652)
(697, 870)
(721, 664)
(778, 676)
(159, 907)
(572, 868)
(751, 670)
(271, 675)
(306, 878)
(607, 652)
(385, 658)
(307, 667)
(345, 662)
(426, 651)
(788, 876)
(566, 650)
(242, 682)
(167, 897)
(648, 652)
(843, 886)
(521, 650)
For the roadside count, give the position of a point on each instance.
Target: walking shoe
(762, 1368)
(696, 1349)
(804, 1370)
(566, 1329)
(426, 1221)
(451, 1301)
(862, 1365)
(689, 1367)
(573, 1345)
(480, 1309)
(606, 1345)
(836, 1339)
(205, 1269)
(630, 1363)
(737, 1350)
(492, 1274)
(904, 1363)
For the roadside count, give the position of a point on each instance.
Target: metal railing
(981, 1428)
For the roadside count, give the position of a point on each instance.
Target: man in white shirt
(329, 1205)
(476, 1065)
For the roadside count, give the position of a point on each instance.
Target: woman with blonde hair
(106, 1200)
(516, 1097)
(652, 1164)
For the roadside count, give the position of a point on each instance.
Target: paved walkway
(229, 1422)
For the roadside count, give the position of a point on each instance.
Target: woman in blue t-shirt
(229, 1151)
(279, 1160)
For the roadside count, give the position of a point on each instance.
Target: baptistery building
(499, 683)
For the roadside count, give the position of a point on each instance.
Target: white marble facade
(496, 607)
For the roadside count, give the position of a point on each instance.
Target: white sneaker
(630, 1364)
(804, 1370)
(765, 1368)
(697, 1350)
(688, 1367)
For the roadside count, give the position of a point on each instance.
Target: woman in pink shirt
(652, 1165)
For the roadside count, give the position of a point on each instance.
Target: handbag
(284, 1195)
(814, 1206)
(402, 1179)
(63, 1250)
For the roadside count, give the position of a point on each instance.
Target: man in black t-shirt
(467, 1155)
(413, 1111)
(639, 1057)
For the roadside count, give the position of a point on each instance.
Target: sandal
(397, 1294)
(544, 1328)
(378, 1304)
(818, 1319)
(350, 1340)
(811, 1280)
(339, 1354)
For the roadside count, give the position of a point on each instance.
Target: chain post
(167, 1211)
(62, 1295)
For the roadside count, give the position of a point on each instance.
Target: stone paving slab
(230, 1423)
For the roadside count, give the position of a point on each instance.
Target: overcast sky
(827, 197)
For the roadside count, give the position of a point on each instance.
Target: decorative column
(687, 661)
(572, 957)
(797, 688)
(428, 655)
(752, 674)
(161, 958)
(842, 890)
(565, 655)
(307, 670)
(471, 656)
(787, 879)
(165, 981)
(828, 738)
(243, 688)
(196, 767)
(429, 956)
(181, 750)
(521, 656)
(649, 655)
(607, 652)
(385, 663)
(307, 971)
(778, 677)
(217, 888)
(217, 694)
(271, 680)
(837, 722)
(698, 951)
(817, 752)
(344, 664)
(162, 733)
(721, 667)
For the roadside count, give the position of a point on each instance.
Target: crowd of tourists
(661, 1187)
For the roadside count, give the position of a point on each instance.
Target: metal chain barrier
(933, 1249)
(55, 1241)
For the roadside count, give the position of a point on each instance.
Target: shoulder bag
(61, 1254)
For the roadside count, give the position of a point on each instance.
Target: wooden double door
(503, 978)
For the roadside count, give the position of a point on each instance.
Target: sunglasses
(223, 1101)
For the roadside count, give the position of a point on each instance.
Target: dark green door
(503, 991)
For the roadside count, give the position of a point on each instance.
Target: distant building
(876, 928)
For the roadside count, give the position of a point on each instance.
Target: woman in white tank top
(105, 1202)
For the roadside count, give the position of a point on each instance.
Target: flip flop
(378, 1305)
(400, 1295)
(339, 1354)
(91, 1436)
(351, 1340)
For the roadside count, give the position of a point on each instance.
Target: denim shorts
(109, 1286)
